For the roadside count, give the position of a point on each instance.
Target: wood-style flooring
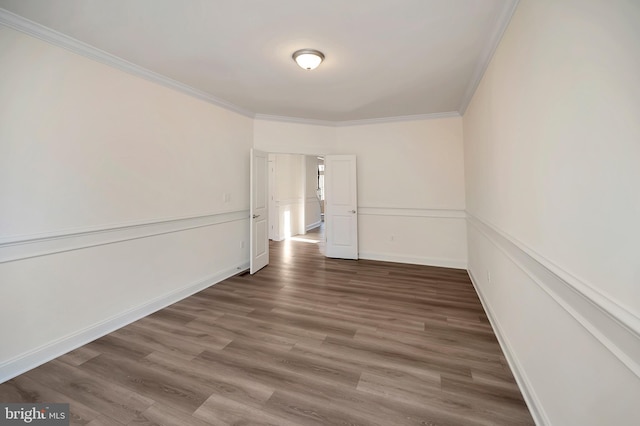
(306, 341)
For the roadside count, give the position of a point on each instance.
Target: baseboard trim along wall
(313, 226)
(414, 260)
(27, 361)
(25, 247)
(412, 212)
(529, 395)
(434, 237)
(610, 323)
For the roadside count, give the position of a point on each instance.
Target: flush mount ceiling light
(308, 59)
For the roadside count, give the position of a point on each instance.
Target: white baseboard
(29, 360)
(313, 226)
(529, 395)
(614, 325)
(414, 260)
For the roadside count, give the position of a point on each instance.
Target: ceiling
(384, 58)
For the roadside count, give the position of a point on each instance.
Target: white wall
(292, 138)
(288, 193)
(295, 204)
(410, 183)
(112, 192)
(552, 150)
(410, 190)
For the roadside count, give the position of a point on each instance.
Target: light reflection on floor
(304, 240)
(314, 236)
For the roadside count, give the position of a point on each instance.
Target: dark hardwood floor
(306, 341)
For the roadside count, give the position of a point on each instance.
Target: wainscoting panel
(609, 322)
(409, 235)
(62, 291)
(573, 351)
(312, 217)
(290, 216)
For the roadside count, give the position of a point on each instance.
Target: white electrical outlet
(226, 197)
(241, 244)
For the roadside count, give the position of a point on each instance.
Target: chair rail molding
(29, 246)
(412, 212)
(612, 324)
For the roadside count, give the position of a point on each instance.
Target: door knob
(256, 216)
(352, 211)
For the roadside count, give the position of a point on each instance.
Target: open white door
(341, 200)
(258, 210)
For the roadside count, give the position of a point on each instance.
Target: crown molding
(296, 120)
(346, 123)
(56, 38)
(417, 117)
(34, 29)
(502, 22)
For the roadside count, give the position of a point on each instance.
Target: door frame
(270, 191)
(258, 212)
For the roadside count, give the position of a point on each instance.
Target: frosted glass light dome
(308, 59)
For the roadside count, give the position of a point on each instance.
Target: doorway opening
(307, 197)
(296, 196)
